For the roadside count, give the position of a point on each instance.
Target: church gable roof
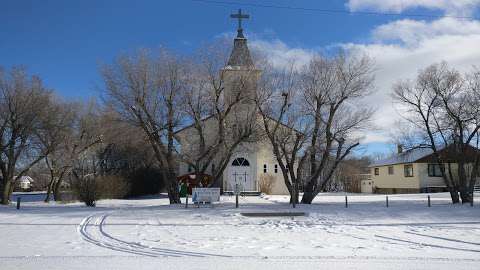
(208, 118)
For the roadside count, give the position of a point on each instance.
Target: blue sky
(65, 41)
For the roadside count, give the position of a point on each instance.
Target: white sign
(205, 195)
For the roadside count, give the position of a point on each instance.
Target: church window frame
(265, 168)
(241, 161)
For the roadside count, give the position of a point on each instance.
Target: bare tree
(85, 173)
(23, 107)
(277, 101)
(444, 106)
(313, 119)
(54, 135)
(76, 131)
(333, 90)
(148, 92)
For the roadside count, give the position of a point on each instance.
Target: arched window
(240, 162)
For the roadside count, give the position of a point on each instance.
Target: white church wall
(265, 157)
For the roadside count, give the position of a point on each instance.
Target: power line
(331, 11)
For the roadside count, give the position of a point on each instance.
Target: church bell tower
(240, 75)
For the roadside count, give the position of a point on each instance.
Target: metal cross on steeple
(240, 16)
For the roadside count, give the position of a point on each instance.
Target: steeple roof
(240, 56)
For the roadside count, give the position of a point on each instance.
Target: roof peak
(240, 56)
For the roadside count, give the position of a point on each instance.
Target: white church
(251, 161)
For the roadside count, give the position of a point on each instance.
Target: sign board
(205, 195)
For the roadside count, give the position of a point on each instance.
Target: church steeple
(240, 56)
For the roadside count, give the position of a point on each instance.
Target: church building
(252, 163)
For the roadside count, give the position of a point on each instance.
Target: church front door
(240, 173)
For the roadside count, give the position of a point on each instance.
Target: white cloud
(400, 49)
(450, 7)
(412, 32)
(375, 137)
(280, 54)
(430, 44)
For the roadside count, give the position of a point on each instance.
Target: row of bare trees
(67, 143)
(38, 127)
(312, 117)
(442, 109)
(309, 115)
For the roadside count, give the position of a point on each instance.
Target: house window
(190, 168)
(264, 168)
(390, 170)
(408, 170)
(377, 171)
(276, 168)
(434, 170)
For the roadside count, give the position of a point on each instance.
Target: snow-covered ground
(150, 234)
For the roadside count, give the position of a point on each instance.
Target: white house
(25, 182)
(414, 171)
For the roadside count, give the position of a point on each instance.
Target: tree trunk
(454, 195)
(173, 193)
(309, 193)
(308, 197)
(294, 194)
(49, 190)
(462, 180)
(465, 195)
(57, 196)
(6, 192)
(217, 182)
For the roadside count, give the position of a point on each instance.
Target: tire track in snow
(101, 238)
(445, 238)
(92, 230)
(89, 237)
(425, 244)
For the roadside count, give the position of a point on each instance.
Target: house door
(240, 173)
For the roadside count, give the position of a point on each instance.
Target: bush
(90, 189)
(145, 181)
(266, 183)
(111, 187)
(86, 190)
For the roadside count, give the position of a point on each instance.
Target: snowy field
(150, 234)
